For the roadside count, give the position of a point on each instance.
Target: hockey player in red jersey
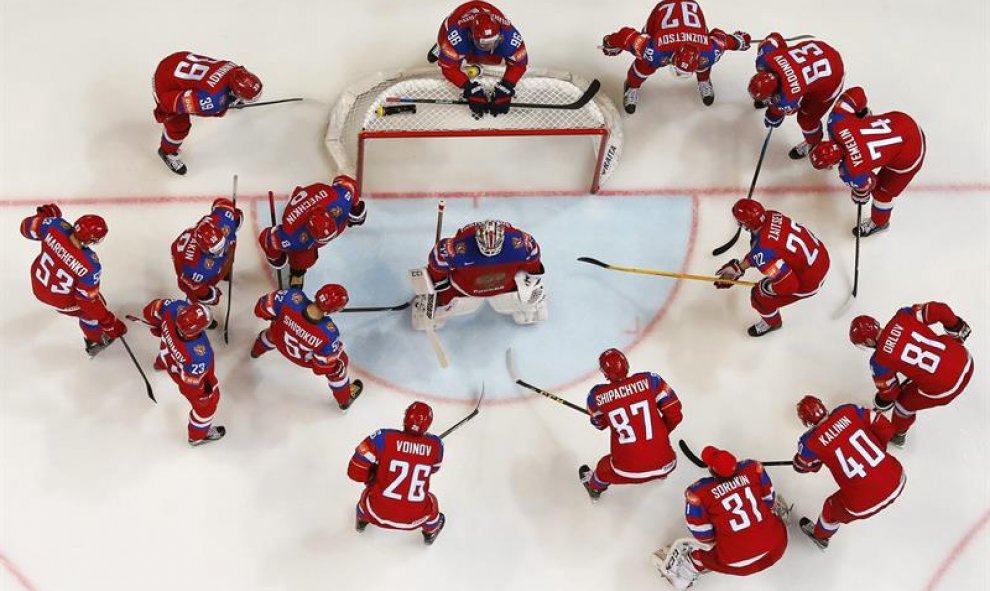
(804, 78)
(66, 275)
(860, 142)
(315, 215)
(675, 35)
(185, 353)
(203, 254)
(478, 33)
(737, 519)
(793, 260)
(395, 468)
(937, 367)
(486, 261)
(640, 410)
(304, 333)
(187, 84)
(851, 442)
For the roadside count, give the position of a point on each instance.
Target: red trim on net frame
(513, 132)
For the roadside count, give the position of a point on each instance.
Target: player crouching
(396, 467)
(304, 333)
(185, 352)
(486, 261)
(641, 411)
(737, 519)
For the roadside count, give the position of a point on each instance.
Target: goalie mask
(490, 235)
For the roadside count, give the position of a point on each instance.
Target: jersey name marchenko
(65, 256)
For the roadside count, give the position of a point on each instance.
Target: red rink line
(658, 191)
(7, 564)
(958, 551)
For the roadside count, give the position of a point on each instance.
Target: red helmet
(209, 236)
(811, 411)
(614, 365)
(485, 32)
(322, 226)
(825, 154)
(720, 462)
(763, 85)
(245, 85)
(348, 183)
(418, 418)
(749, 214)
(191, 320)
(862, 328)
(331, 298)
(90, 229)
(685, 60)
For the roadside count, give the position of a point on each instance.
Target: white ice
(100, 491)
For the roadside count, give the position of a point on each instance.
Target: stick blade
(592, 261)
(690, 454)
(589, 94)
(725, 247)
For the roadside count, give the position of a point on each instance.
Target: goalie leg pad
(521, 312)
(421, 282)
(675, 564)
(423, 318)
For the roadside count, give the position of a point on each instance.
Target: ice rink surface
(98, 489)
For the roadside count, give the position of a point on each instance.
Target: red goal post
(355, 119)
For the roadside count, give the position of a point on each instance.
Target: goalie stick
(230, 279)
(470, 416)
(431, 300)
(271, 210)
(732, 242)
(707, 278)
(694, 459)
(583, 100)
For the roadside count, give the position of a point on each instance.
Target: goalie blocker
(485, 261)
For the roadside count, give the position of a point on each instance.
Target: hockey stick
(795, 38)
(230, 279)
(147, 384)
(583, 100)
(379, 308)
(763, 152)
(553, 397)
(136, 319)
(266, 103)
(694, 459)
(271, 210)
(855, 289)
(707, 278)
(431, 300)
(470, 416)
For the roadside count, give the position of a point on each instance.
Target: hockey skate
(898, 439)
(214, 434)
(675, 565)
(359, 524)
(94, 348)
(808, 527)
(584, 475)
(630, 98)
(707, 92)
(429, 538)
(172, 161)
(762, 327)
(357, 386)
(868, 228)
(800, 151)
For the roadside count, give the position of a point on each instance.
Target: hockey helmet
(191, 320)
(485, 32)
(490, 235)
(763, 85)
(825, 154)
(862, 329)
(613, 365)
(720, 462)
(685, 60)
(418, 418)
(322, 226)
(245, 85)
(811, 411)
(749, 214)
(90, 229)
(332, 298)
(209, 236)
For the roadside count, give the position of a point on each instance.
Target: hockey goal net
(356, 117)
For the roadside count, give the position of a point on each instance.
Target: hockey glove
(861, 196)
(744, 39)
(359, 213)
(477, 100)
(610, 50)
(960, 331)
(210, 296)
(881, 405)
(731, 271)
(49, 210)
(113, 326)
(502, 98)
(773, 118)
(621, 39)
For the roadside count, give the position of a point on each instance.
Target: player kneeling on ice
(640, 410)
(478, 33)
(485, 261)
(851, 441)
(66, 275)
(187, 84)
(860, 142)
(304, 333)
(314, 216)
(738, 521)
(937, 366)
(395, 468)
(675, 35)
(794, 261)
(185, 352)
(203, 254)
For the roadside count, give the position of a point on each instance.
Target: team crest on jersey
(303, 236)
(490, 281)
(336, 211)
(297, 298)
(209, 263)
(517, 242)
(330, 326)
(460, 248)
(200, 350)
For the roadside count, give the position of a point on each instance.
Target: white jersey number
(622, 424)
(795, 242)
(63, 280)
(865, 449)
(736, 505)
(194, 67)
(880, 127)
(417, 481)
(689, 12)
(817, 69)
(925, 360)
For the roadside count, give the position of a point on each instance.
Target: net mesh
(357, 110)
